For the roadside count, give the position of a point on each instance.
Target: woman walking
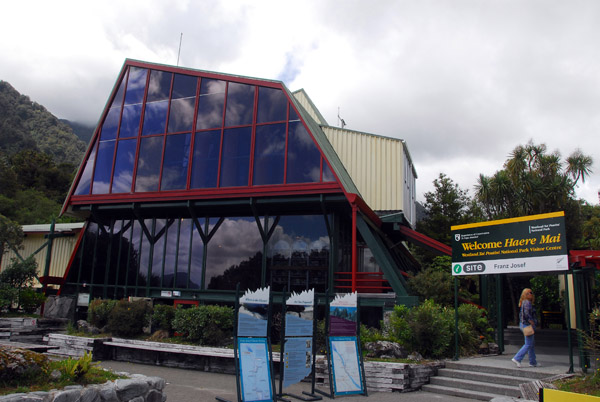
(527, 317)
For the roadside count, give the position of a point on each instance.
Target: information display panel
(255, 370)
(345, 364)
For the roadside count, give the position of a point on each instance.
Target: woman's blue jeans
(527, 348)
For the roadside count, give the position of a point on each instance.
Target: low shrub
(128, 318)
(162, 317)
(99, 312)
(206, 325)
(429, 329)
(31, 300)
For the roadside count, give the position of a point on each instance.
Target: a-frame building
(195, 181)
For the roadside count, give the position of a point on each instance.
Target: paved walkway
(191, 385)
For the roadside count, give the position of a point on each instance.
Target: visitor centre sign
(535, 243)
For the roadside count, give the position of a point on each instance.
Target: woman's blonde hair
(524, 296)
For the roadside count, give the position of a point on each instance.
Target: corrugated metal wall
(377, 167)
(62, 248)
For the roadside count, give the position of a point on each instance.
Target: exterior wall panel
(380, 168)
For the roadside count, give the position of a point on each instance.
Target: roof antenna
(341, 121)
(179, 52)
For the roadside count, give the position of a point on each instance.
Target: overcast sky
(462, 82)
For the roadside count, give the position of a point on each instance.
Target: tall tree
(447, 205)
(533, 181)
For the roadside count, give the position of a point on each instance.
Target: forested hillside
(39, 156)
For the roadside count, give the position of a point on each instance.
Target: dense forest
(39, 156)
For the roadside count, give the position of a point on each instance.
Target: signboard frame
(527, 244)
(352, 359)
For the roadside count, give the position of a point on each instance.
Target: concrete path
(192, 385)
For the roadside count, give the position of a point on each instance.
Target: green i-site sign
(535, 243)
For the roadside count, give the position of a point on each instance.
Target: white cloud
(463, 82)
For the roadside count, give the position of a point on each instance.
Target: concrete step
(482, 377)
(463, 393)
(523, 374)
(478, 386)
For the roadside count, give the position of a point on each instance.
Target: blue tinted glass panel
(159, 86)
(210, 86)
(272, 105)
(181, 116)
(183, 256)
(240, 104)
(205, 165)
(158, 253)
(145, 255)
(234, 255)
(293, 114)
(327, 173)
(303, 158)
(123, 173)
(111, 123)
(119, 96)
(136, 85)
(184, 86)
(130, 122)
(210, 111)
(235, 159)
(103, 167)
(175, 165)
(83, 188)
(269, 154)
(149, 164)
(197, 251)
(298, 254)
(155, 117)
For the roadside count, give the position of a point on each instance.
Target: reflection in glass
(303, 158)
(144, 257)
(205, 165)
(103, 167)
(235, 162)
(158, 252)
(148, 169)
(234, 255)
(327, 173)
(293, 114)
(272, 105)
(83, 188)
(269, 154)
(130, 122)
(111, 123)
(210, 110)
(159, 86)
(197, 251)
(183, 256)
(240, 104)
(298, 254)
(211, 86)
(136, 241)
(181, 115)
(184, 86)
(136, 85)
(175, 165)
(124, 162)
(155, 118)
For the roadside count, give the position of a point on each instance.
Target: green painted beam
(383, 257)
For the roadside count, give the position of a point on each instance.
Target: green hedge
(206, 324)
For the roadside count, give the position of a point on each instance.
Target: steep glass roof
(169, 132)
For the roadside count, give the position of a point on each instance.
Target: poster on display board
(253, 313)
(299, 313)
(345, 365)
(343, 314)
(255, 370)
(535, 243)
